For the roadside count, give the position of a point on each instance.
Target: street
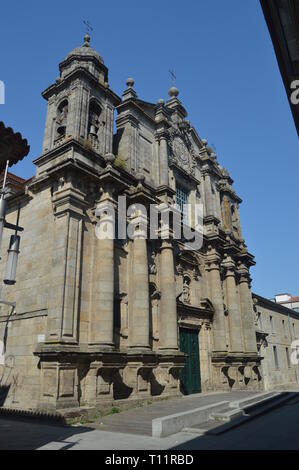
(277, 430)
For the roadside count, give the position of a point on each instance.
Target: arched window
(94, 119)
(61, 118)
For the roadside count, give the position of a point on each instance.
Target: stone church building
(98, 320)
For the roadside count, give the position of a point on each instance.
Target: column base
(236, 372)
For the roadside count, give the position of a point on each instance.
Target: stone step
(139, 420)
(249, 412)
(226, 415)
(252, 400)
(172, 424)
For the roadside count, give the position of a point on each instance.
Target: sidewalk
(139, 420)
(129, 430)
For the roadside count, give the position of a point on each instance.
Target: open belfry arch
(99, 320)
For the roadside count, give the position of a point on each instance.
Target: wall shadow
(27, 434)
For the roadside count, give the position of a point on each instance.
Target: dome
(85, 51)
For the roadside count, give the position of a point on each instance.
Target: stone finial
(129, 93)
(109, 159)
(173, 92)
(205, 142)
(130, 82)
(86, 40)
(161, 102)
(140, 178)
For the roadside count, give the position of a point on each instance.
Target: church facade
(100, 319)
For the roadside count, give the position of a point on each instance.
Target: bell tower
(80, 103)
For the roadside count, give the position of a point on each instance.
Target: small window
(284, 328)
(288, 357)
(271, 324)
(260, 322)
(275, 357)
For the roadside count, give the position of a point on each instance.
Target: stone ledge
(32, 414)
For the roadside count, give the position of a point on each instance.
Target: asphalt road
(277, 430)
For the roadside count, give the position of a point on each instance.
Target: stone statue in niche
(186, 290)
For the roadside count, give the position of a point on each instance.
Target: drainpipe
(296, 375)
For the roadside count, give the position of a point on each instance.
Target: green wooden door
(190, 377)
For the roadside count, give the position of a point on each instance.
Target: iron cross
(89, 28)
(172, 76)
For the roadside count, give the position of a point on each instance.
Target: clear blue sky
(228, 79)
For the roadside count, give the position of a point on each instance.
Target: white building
(288, 301)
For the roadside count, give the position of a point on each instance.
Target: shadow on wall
(4, 389)
(7, 379)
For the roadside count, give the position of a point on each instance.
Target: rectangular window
(182, 199)
(271, 324)
(260, 323)
(284, 328)
(294, 331)
(275, 357)
(288, 357)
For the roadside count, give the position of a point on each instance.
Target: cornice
(77, 73)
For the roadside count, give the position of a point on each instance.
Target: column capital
(244, 275)
(166, 244)
(138, 223)
(229, 266)
(213, 259)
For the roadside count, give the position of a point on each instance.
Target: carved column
(101, 320)
(168, 309)
(139, 312)
(247, 310)
(233, 306)
(216, 295)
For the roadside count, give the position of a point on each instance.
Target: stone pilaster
(64, 293)
(163, 153)
(216, 294)
(168, 309)
(249, 334)
(101, 320)
(209, 197)
(235, 325)
(139, 311)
